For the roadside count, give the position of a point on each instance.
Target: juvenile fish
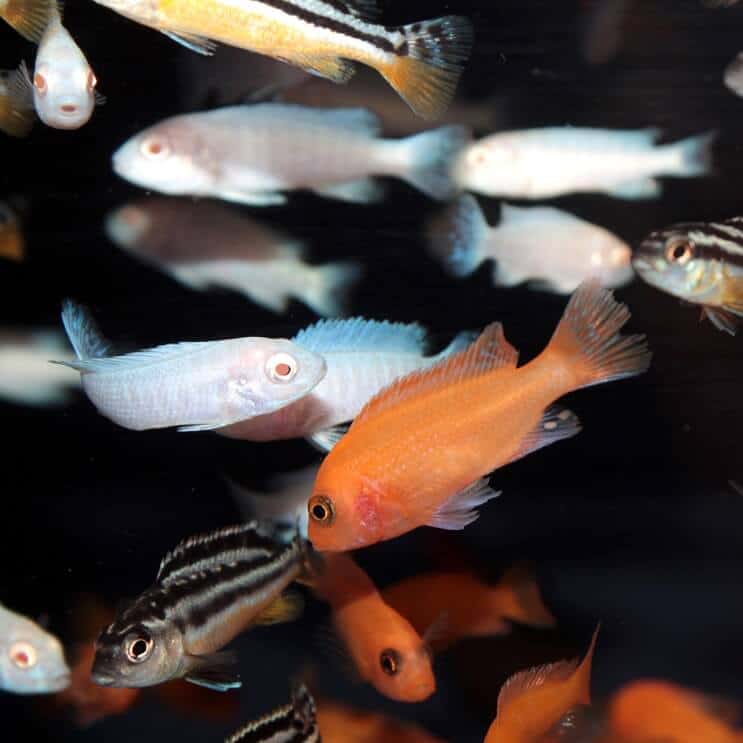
(31, 660)
(250, 154)
(362, 357)
(28, 17)
(195, 386)
(700, 262)
(544, 163)
(421, 61)
(293, 723)
(17, 114)
(202, 244)
(208, 590)
(550, 248)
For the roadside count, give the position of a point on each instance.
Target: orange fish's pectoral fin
(556, 424)
(722, 319)
(286, 608)
(17, 114)
(331, 68)
(216, 671)
(461, 509)
(194, 42)
(29, 17)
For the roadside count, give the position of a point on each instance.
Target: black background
(632, 522)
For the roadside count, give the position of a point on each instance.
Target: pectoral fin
(215, 671)
(198, 44)
(256, 198)
(461, 509)
(327, 439)
(644, 188)
(722, 319)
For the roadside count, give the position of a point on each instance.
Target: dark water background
(632, 523)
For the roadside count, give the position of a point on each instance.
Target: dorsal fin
(490, 351)
(367, 10)
(525, 681)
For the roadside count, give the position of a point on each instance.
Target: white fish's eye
(92, 81)
(282, 367)
(40, 83)
(23, 655)
(138, 648)
(243, 381)
(155, 148)
(679, 250)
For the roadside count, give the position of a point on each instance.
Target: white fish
(195, 386)
(250, 154)
(362, 357)
(63, 83)
(549, 247)
(203, 244)
(31, 660)
(733, 75)
(543, 163)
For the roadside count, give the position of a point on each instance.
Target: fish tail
(429, 157)
(83, 332)
(327, 292)
(429, 63)
(693, 156)
(587, 339)
(519, 593)
(29, 17)
(456, 236)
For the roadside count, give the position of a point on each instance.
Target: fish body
(699, 262)
(419, 452)
(31, 660)
(550, 162)
(549, 247)
(196, 386)
(202, 244)
(385, 649)
(252, 153)
(28, 17)
(362, 357)
(532, 701)
(208, 590)
(422, 61)
(17, 113)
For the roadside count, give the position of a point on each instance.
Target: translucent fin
(327, 439)
(29, 17)
(456, 237)
(694, 154)
(331, 68)
(216, 671)
(329, 286)
(365, 9)
(363, 191)
(194, 42)
(82, 331)
(360, 334)
(136, 360)
(645, 188)
(17, 116)
(202, 427)
(257, 198)
(721, 319)
(461, 509)
(100, 99)
(557, 424)
(286, 608)
(459, 343)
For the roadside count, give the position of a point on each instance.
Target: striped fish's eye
(282, 367)
(321, 510)
(390, 661)
(679, 250)
(23, 655)
(139, 647)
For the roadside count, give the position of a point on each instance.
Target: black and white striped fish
(293, 723)
(700, 262)
(208, 590)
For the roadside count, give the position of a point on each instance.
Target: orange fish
(385, 649)
(470, 607)
(415, 455)
(659, 711)
(532, 701)
(11, 237)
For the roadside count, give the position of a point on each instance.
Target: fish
(196, 386)
(532, 701)
(28, 17)
(12, 244)
(17, 113)
(733, 75)
(603, 30)
(550, 248)
(250, 154)
(362, 357)
(202, 244)
(209, 589)
(293, 723)
(420, 451)
(549, 162)
(470, 607)
(32, 661)
(385, 649)
(63, 83)
(701, 263)
(650, 710)
(422, 61)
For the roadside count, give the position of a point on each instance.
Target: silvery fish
(250, 154)
(544, 163)
(700, 262)
(362, 357)
(208, 590)
(195, 386)
(31, 660)
(202, 244)
(552, 249)
(293, 723)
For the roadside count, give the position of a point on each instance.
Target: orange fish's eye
(138, 648)
(23, 655)
(679, 250)
(390, 661)
(154, 148)
(321, 510)
(40, 83)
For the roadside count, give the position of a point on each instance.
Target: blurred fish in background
(12, 243)
(603, 29)
(17, 113)
(28, 17)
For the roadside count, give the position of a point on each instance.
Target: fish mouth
(641, 264)
(102, 679)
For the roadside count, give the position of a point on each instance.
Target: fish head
(733, 76)
(128, 226)
(32, 661)
(492, 165)
(64, 94)
(403, 669)
(268, 374)
(610, 260)
(170, 157)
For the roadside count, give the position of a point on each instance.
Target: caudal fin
(430, 61)
(588, 339)
(693, 156)
(328, 290)
(29, 17)
(83, 332)
(457, 235)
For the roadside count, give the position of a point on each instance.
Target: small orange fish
(470, 607)
(532, 701)
(415, 454)
(385, 649)
(660, 711)
(11, 237)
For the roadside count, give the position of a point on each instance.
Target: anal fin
(194, 42)
(722, 319)
(216, 671)
(461, 509)
(331, 68)
(556, 424)
(254, 198)
(285, 608)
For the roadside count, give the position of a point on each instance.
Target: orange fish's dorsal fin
(489, 352)
(523, 682)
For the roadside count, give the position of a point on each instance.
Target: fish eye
(321, 510)
(23, 655)
(679, 251)
(138, 648)
(390, 661)
(40, 83)
(282, 367)
(92, 81)
(155, 148)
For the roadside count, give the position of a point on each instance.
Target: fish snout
(68, 108)
(102, 679)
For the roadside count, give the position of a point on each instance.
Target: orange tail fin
(517, 593)
(426, 73)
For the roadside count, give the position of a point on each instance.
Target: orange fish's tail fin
(588, 339)
(429, 62)
(519, 599)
